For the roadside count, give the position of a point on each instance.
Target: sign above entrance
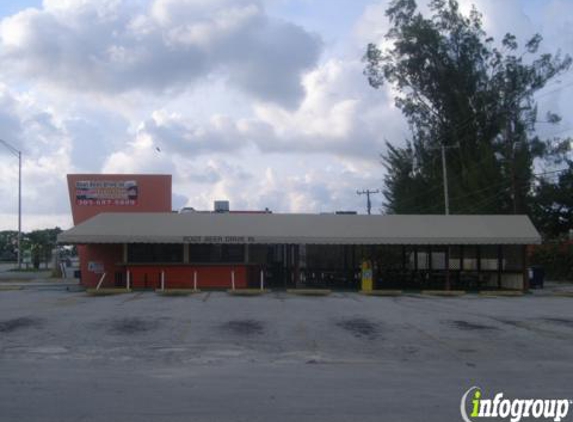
(218, 239)
(106, 192)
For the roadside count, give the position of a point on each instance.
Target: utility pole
(18, 154)
(445, 175)
(368, 192)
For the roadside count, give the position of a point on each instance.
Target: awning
(327, 229)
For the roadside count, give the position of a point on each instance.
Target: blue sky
(261, 102)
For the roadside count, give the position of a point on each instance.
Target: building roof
(303, 229)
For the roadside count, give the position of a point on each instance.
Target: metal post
(101, 281)
(368, 192)
(128, 281)
(262, 280)
(232, 279)
(445, 174)
(162, 280)
(525, 272)
(195, 280)
(18, 154)
(19, 209)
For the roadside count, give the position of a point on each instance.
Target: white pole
(195, 280)
(262, 280)
(128, 280)
(445, 174)
(233, 279)
(18, 154)
(162, 280)
(19, 209)
(100, 281)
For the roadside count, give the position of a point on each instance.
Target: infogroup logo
(513, 409)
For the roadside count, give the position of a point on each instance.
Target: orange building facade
(92, 194)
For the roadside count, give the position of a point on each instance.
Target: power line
(436, 206)
(368, 192)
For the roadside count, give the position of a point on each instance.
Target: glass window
(154, 252)
(205, 253)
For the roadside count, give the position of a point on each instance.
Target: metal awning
(328, 229)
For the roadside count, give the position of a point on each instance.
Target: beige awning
(303, 229)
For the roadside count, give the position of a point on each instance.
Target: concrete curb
(247, 292)
(501, 293)
(562, 294)
(309, 292)
(177, 292)
(107, 291)
(381, 292)
(8, 288)
(444, 293)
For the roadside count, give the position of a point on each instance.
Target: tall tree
(553, 208)
(458, 90)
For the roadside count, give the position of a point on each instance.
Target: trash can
(536, 277)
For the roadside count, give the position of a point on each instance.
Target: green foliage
(556, 258)
(458, 90)
(8, 245)
(553, 208)
(39, 242)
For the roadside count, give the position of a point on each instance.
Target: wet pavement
(65, 356)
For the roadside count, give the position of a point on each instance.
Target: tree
(41, 243)
(458, 90)
(8, 245)
(553, 209)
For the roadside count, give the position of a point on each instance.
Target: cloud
(164, 46)
(37, 132)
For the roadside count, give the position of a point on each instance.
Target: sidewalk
(31, 279)
(553, 287)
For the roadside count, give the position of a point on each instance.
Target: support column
(448, 285)
(499, 266)
(125, 255)
(296, 265)
(186, 253)
(525, 269)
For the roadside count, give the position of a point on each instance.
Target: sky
(260, 102)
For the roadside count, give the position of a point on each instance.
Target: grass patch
(8, 288)
(501, 293)
(444, 293)
(176, 292)
(107, 291)
(310, 292)
(247, 292)
(381, 292)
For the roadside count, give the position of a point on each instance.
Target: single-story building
(222, 250)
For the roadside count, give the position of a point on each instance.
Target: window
(156, 252)
(216, 253)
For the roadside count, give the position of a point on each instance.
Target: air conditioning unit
(221, 206)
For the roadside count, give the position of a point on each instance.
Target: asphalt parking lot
(65, 356)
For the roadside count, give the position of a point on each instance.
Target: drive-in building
(147, 248)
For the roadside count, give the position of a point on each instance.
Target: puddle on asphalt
(15, 324)
(244, 327)
(131, 326)
(470, 326)
(560, 321)
(359, 328)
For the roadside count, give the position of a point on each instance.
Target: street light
(18, 154)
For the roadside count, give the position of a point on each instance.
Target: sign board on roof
(106, 192)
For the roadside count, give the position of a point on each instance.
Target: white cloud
(162, 46)
(37, 132)
(235, 99)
